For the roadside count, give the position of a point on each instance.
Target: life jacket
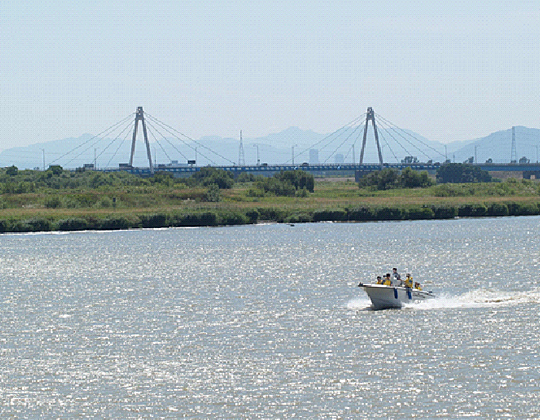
(387, 282)
(409, 282)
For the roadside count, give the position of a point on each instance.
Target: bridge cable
(167, 140)
(110, 129)
(414, 137)
(150, 128)
(330, 135)
(127, 130)
(342, 143)
(164, 126)
(93, 144)
(387, 131)
(118, 148)
(381, 132)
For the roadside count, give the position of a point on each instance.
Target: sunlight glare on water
(268, 322)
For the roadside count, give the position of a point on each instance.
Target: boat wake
(480, 298)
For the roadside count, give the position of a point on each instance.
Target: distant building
(313, 156)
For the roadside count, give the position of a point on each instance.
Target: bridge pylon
(139, 116)
(370, 116)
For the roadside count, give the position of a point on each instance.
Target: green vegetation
(57, 199)
(461, 173)
(391, 178)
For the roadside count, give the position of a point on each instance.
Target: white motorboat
(386, 297)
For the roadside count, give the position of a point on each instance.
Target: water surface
(267, 322)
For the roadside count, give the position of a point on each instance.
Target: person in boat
(379, 280)
(387, 280)
(417, 285)
(409, 281)
(397, 278)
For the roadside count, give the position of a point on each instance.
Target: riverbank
(110, 208)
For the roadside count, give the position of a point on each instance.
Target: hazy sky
(452, 71)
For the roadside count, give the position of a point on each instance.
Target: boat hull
(387, 297)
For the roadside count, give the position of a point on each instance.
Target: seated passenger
(379, 280)
(417, 285)
(409, 281)
(387, 281)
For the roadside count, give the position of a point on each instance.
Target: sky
(453, 70)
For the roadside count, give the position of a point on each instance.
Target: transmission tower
(139, 116)
(241, 157)
(370, 116)
(513, 154)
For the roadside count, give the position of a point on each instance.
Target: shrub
(207, 218)
(460, 173)
(12, 170)
(497, 209)
(336, 215)
(35, 224)
(362, 214)
(298, 179)
(208, 176)
(153, 220)
(389, 213)
(522, 209)
(303, 193)
(232, 218)
(445, 212)
(472, 210)
(105, 203)
(245, 177)
(388, 178)
(253, 216)
(418, 213)
(276, 186)
(272, 214)
(53, 202)
(72, 224)
(212, 195)
(120, 222)
(301, 217)
(255, 192)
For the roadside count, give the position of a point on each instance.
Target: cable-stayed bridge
(340, 147)
(367, 143)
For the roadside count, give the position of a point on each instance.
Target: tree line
(388, 178)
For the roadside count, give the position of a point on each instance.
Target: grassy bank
(169, 204)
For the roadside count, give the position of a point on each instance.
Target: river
(266, 322)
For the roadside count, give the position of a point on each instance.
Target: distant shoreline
(32, 220)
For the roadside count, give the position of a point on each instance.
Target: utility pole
(293, 153)
(370, 116)
(140, 117)
(258, 160)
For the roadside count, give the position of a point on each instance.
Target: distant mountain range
(277, 148)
